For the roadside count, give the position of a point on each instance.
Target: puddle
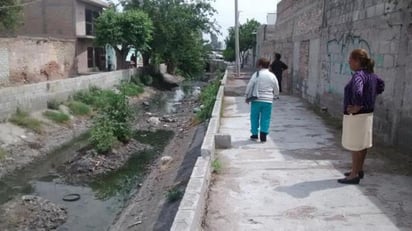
(102, 199)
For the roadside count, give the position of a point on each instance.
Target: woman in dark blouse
(359, 102)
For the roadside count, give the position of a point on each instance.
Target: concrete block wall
(315, 38)
(34, 97)
(30, 60)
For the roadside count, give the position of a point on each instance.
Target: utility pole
(237, 38)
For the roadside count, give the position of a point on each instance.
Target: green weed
(56, 116)
(79, 108)
(3, 153)
(174, 194)
(131, 89)
(208, 98)
(23, 119)
(217, 166)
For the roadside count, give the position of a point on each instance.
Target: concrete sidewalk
(289, 182)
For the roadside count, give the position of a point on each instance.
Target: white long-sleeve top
(268, 85)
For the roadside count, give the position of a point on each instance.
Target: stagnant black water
(102, 199)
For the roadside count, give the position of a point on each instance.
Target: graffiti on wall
(338, 51)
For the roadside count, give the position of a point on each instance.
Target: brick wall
(32, 60)
(53, 18)
(326, 31)
(34, 97)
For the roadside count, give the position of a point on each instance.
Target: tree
(123, 31)
(247, 40)
(10, 14)
(177, 37)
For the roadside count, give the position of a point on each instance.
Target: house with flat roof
(54, 40)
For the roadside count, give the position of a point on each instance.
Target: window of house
(91, 16)
(90, 57)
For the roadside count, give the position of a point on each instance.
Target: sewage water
(102, 199)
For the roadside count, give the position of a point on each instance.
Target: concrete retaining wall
(35, 96)
(315, 38)
(192, 207)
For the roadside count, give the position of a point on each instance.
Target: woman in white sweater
(267, 87)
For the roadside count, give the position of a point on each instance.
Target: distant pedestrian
(359, 102)
(260, 91)
(277, 67)
(133, 60)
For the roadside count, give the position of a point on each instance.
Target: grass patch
(174, 194)
(56, 116)
(3, 153)
(217, 166)
(23, 119)
(95, 97)
(207, 99)
(79, 108)
(131, 89)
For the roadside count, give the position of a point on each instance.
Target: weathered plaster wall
(315, 38)
(32, 60)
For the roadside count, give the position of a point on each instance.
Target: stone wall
(34, 97)
(315, 38)
(32, 60)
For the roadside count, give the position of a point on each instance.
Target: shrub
(56, 116)
(101, 135)
(174, 194)
(79, 108)
(112, 124)
(119, 113)
(217, 166)
(23, 119)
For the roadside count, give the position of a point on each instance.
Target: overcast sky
(256, 9)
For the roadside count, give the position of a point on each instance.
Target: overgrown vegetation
(207, 99)
(174, 194)
(3, 153)
(78, 108)
(57, 116)
(95, 97)
(217, 166)
(102, 134)
(23, 119)
(131, 89)
(112, 124)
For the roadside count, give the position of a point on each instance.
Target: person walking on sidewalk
(359, 102)
(265, 84)
(277, 67)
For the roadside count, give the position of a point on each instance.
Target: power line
(19, 5)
